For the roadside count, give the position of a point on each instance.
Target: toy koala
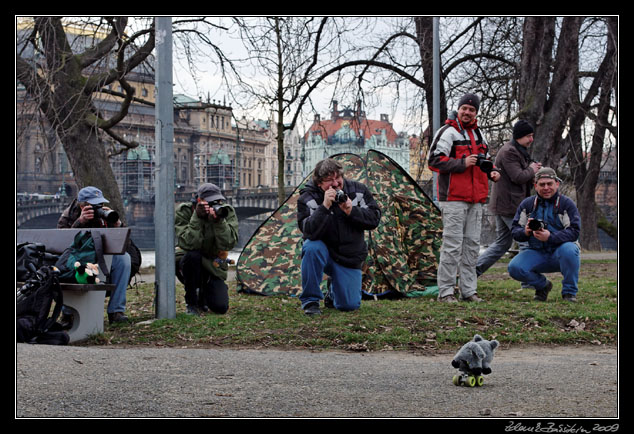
(86, 273)
(223, 259)
(473, 360)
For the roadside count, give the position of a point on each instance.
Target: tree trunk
(585, 169)
(546, 103)
(91, 166)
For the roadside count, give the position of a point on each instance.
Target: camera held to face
(109, 215)
(221, 210)
(484, 163)
(536, 224)
(341, 197)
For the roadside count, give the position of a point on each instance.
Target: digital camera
(484, 163)
(220, 209)
(341, 197)
(536, 224)
(109, 215)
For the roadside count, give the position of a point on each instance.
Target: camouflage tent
(403, 251)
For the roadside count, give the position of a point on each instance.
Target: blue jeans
(528, 265)
(346, 282)
(119, 276)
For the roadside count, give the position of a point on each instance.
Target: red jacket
(451, 145)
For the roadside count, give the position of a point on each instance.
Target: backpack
(29, 258)
(86, 247)
(34, 299)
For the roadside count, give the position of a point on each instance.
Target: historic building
(349, 130)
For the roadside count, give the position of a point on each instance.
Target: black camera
(536, 224)
(222, 211)
(341, 197)
(484, 163)
(109, 215)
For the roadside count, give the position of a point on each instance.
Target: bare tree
(291, 53)
(54, 75)
(596, 106)
(64, 63)
(547, 83)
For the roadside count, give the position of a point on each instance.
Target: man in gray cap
(206, 230)
(551, 224)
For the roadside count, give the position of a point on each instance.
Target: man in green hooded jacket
(205, 232)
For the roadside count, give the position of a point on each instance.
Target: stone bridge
(251, 205)
(33, 210)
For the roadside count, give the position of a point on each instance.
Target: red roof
(329, 127)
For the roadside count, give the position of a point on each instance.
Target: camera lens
(221, 210)
(341, 197)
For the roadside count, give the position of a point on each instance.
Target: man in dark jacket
(333, 213)
(517, 174)
(551, 224)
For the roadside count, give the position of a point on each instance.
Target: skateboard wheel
(471, 381)
(479, 380)
(456, 380)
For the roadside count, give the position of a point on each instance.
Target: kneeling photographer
(333, 214)
(88, 211)
(550, 223)
(206, 230)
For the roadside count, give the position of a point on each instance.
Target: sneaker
(66, 321)
(448, 299)
(192, 310)
(542, 295)
(117, 317)
(328, 301)
(473, 298)
(312, 309)
(570, 298)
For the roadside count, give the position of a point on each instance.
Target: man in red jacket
(460, 155)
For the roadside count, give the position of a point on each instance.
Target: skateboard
(469, 380)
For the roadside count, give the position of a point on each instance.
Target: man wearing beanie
(463, 187)
(517, 174)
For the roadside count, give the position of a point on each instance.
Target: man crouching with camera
(551, 224)
(206, 230)
(333, 214)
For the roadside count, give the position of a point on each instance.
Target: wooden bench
(86, 301)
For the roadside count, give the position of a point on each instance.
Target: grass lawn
(508, 314)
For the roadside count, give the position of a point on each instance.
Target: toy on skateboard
(467, 379)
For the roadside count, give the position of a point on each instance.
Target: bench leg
(87, 307)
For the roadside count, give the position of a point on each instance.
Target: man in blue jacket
(333, 213)
(550, 222)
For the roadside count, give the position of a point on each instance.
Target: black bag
(86, 247)
(30, 257)
(34, 321)
(135, 259)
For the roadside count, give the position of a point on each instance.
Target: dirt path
(532, 382)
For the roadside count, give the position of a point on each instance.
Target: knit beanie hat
(471, 99)
(521, 129)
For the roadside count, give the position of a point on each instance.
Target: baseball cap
(210, 192)
(92, 195)
(546, 172)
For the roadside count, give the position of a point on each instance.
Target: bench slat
(80, 287)
(115, 240)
